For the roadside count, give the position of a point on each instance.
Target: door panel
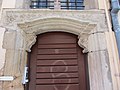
(60, 86)
(57, 51)
(57, 63)
(50, 62)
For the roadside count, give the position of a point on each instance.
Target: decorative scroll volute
(30, 41)
(83, 42)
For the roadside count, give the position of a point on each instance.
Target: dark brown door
(57, 63)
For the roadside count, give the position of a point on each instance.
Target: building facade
(23, 25)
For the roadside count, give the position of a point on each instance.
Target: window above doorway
(57, 4)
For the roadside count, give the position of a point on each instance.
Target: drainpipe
(116, 26)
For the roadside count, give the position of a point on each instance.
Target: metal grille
(42, 4)
(65, 4)
(72, 4)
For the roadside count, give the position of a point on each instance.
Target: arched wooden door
(57, 63)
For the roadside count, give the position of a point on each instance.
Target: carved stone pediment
(33, 28)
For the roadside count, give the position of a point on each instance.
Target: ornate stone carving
(82, 29)
(11, 17)
(30, 40)
(83, 41)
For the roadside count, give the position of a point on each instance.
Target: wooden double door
(57, 63)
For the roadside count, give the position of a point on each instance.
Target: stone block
(9, 40)
(97, 42)
(20, 41)
(20, 59)
(99, 71)
(9, 57)
(15, 62)
(14, 66)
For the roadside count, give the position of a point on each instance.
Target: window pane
(80, 8)
(73, 8)
(71, 0)
(51, 4)
(64, 4)
(51, 0)
(71, 4)
(63, 0)
(35, 3)
(79, 4)
(42, 0)
(42, 3)
(64, 7)
(79, 0)
(34, 0)
(34, 7)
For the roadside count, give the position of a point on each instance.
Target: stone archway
(33, 28)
